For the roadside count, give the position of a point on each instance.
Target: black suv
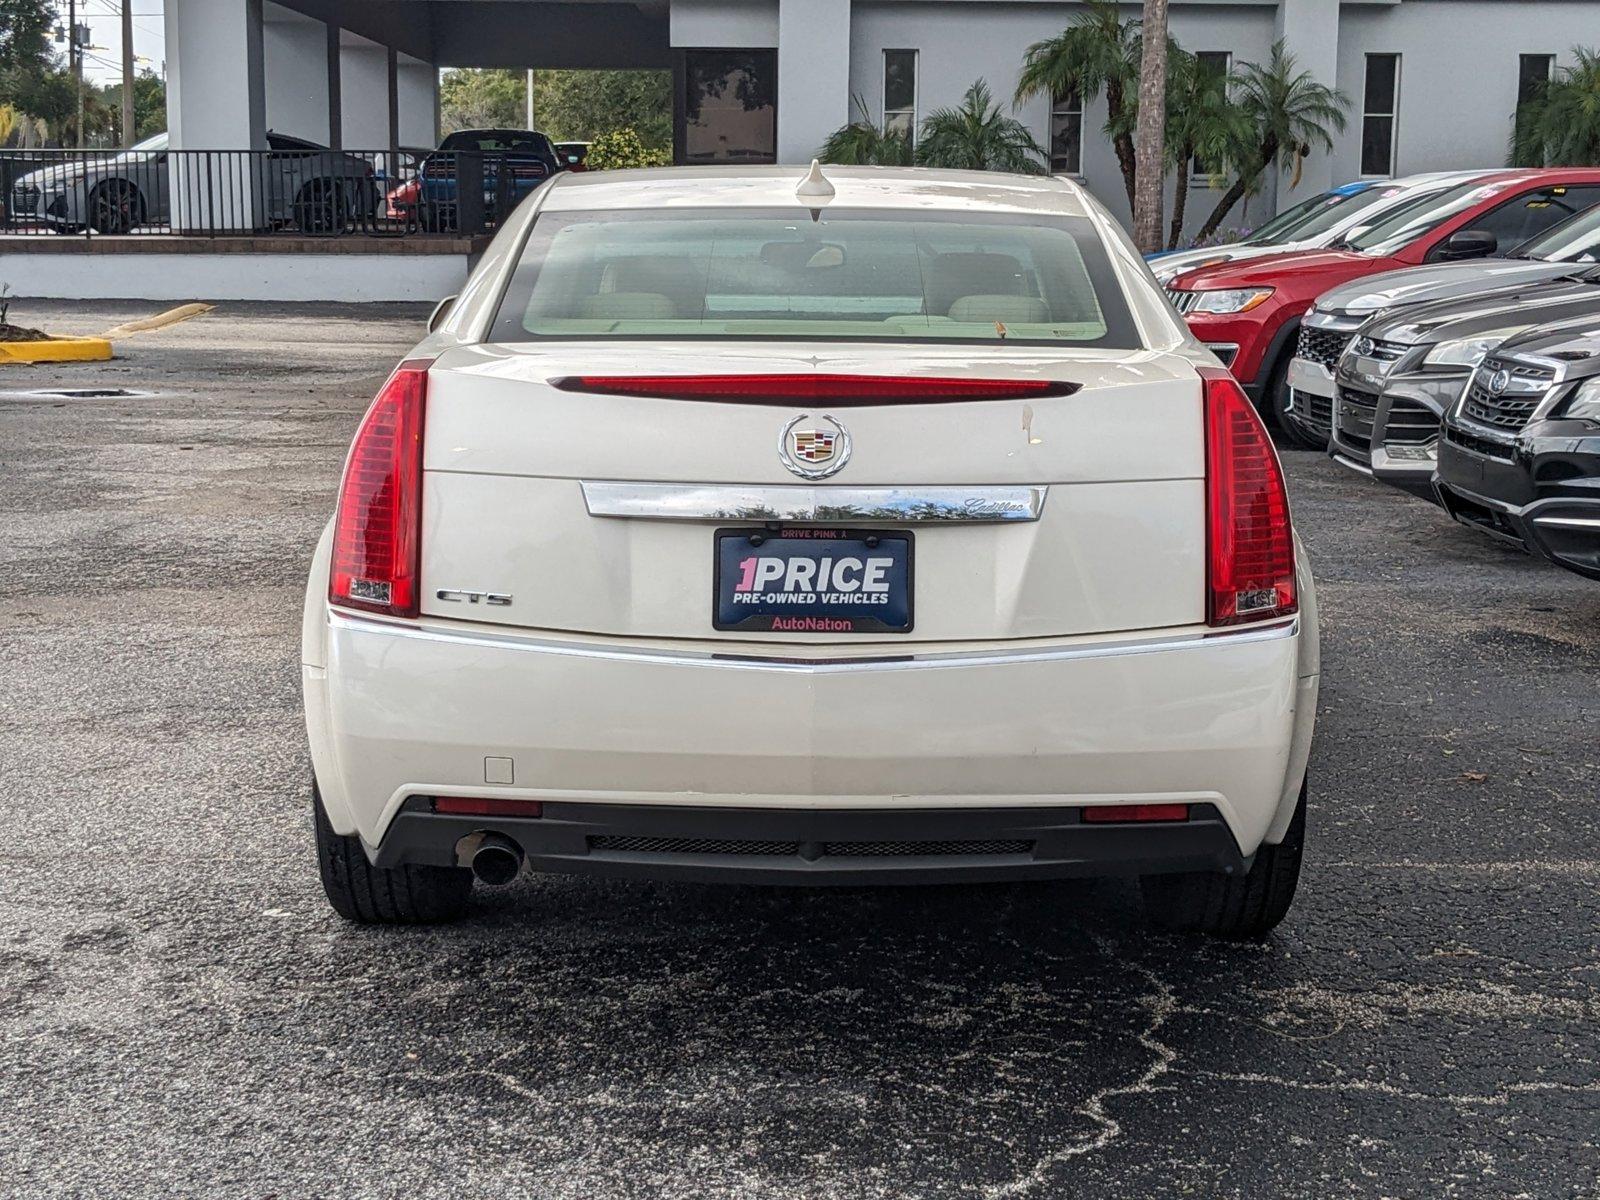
(1520, 456)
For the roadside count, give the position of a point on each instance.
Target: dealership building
(1432, 84)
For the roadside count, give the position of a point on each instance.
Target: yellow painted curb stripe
(160, 321)
(56, 350)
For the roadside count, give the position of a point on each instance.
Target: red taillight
(836, 389)
(487, 806)
(1249, 541)
(377, 532)
(1108, 814)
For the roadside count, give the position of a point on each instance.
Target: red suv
(1249, 312)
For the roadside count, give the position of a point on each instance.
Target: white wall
(1458, 73)
(419, 103)
(725, 24)
(364, 95)
(296, 56)
(340, 278)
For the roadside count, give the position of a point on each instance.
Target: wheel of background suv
(1277, 399)
(115, 207)
(406, 895)
(1232, 906)
(321, 207)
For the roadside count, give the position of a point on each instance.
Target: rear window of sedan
(869, 275)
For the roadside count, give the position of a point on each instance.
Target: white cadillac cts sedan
(852, 526)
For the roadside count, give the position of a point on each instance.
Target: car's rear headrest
(628, 306)
(970, 273)
(1019, 310)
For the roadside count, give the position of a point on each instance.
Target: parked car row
(1448, 345)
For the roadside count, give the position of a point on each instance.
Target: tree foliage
(581, 106)
(24, 38)
(1097, 52)
(617, 148)
(864, 143)
(1289, 113)
(576, 106)
(1561, 127)
(977, 136)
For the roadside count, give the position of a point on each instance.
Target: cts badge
(815, 451)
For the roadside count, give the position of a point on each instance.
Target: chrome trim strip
(1569, 522)
(1347, 461)
(757, 502)
(733, 659)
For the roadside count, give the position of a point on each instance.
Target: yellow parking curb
(67, 349)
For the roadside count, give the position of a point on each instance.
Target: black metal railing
(300, 192)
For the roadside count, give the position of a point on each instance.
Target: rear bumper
(820, 846)
(398, 711)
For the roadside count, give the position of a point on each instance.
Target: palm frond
(977, 136)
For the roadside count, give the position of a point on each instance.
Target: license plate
(813, 580)
(1366, 366)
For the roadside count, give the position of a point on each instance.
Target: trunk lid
(1119, 542)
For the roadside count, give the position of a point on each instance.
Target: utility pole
(530, 98)
(129, 120)
(75, 60)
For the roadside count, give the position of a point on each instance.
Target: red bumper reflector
(1108, 814)
(487, 806)
(836, 389)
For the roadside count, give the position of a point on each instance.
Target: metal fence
(222, 193)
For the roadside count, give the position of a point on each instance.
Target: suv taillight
(377, 533)
(1249, 541)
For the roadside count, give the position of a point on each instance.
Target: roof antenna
(815, 188)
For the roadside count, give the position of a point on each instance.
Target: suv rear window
(853, 275)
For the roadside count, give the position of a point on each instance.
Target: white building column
(295, 49)
(813, 74)
(1310, 32)
(216, 100)
(419, 103)
(364, 93)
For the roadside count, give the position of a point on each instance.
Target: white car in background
(1315, 224)
(751, 525)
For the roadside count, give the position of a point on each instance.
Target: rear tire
(1277, 399)
(369, 895)
(1232, 906)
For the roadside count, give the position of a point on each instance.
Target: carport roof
(542, 34)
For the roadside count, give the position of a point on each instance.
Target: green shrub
(624, 148)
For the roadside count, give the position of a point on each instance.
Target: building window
(1066, 135)
(727, 107)
(900, 93)
(1381, 103)
(1216, 63)
(1533, 78)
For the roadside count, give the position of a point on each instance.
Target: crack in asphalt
(1160, 1003)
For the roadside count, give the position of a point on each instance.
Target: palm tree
(1150, 149)
(1097, 52)
(1562, 126)
(1202, 122)
(1289, 111)
(863, 143)
(977, 136)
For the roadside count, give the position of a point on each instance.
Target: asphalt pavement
(181, 1014)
